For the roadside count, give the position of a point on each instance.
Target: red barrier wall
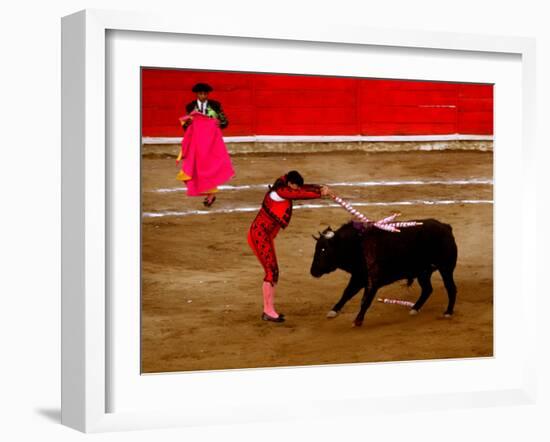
(274, 104)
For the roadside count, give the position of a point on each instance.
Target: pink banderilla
(384, 224)
(396, 301)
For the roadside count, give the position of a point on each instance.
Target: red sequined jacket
(277, 204)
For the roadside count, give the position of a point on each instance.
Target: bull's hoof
(413, 312)
(332, 314)
(357, 323)
(447, 315)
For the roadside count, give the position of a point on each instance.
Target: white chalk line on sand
(315, 206)
(473, 181)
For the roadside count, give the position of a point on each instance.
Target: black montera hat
(202, 87)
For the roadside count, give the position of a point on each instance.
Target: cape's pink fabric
(205, 157)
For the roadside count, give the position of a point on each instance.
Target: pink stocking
(269, 293)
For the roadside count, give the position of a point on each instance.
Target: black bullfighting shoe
(208, 203)
(266, 317)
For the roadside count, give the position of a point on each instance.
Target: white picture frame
(86, 357)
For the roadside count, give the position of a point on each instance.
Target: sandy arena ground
(201, 286)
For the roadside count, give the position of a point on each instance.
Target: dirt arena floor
(201, 284)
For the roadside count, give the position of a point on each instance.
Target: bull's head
(324, 260)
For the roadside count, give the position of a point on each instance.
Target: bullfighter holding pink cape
(206, 163)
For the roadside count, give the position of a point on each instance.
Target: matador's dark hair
(291, 177)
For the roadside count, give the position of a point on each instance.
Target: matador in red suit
(275, 214)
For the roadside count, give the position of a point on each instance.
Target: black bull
(376, 258)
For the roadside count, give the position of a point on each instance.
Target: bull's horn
(315, 238)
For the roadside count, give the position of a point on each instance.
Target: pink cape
(205, 157)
